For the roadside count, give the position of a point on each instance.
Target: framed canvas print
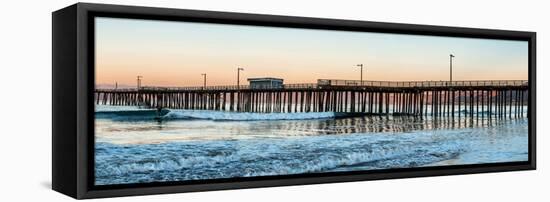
(155, 100)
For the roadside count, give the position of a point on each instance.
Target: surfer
(159, 114)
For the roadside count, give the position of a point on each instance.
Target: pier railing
(334, 82)
(322, 83)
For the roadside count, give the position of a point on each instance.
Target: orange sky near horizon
(177, 53)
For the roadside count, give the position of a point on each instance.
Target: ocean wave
(114, 108)
(227, 159)
(244, 116)
(130, 115)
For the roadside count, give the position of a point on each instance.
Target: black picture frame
(73, 108)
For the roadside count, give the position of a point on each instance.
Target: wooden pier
(482, 99)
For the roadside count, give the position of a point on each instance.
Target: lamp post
(451, 56)
(361, 65)
(139, 82)
(204, 79)
(239, 69)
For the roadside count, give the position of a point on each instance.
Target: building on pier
(265, 83)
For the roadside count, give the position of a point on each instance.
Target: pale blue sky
(176, 53)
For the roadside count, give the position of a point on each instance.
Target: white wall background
(25, 104)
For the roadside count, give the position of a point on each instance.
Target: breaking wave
(171, 114)
(244, 116)
(214, 159)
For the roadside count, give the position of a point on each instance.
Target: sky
(168, 53)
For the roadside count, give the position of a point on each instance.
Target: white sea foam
(244, 116)
(248, 158)
(113, 108)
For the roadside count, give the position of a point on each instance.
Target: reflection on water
(377, 124)
(129, 132)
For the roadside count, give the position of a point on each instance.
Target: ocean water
(136, 145)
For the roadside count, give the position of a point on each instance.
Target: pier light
(239, 69)
(451, 56)
(139, 82)
(361, 66)
(204, 80)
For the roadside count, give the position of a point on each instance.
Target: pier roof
(265, 79)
